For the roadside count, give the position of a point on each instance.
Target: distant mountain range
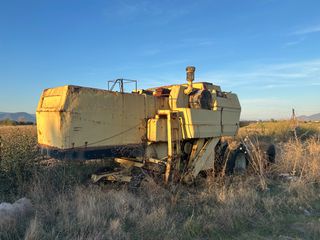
(18, 116)
(314, 117)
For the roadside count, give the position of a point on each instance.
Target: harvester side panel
(93, 118)
(102, 118)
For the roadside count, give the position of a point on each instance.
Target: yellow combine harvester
(173, 130)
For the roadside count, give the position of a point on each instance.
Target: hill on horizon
(18, 116)
(313, 117)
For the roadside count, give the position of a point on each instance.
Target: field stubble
(262, 205)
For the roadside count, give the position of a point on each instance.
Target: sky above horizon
(266, 51)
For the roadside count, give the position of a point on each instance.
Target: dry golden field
(278, 201)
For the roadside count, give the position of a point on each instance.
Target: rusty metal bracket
(117, 176)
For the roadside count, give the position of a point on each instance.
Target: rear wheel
(238, 161)
(240, 165)
(271, 154)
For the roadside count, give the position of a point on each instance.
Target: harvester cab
(173, 130)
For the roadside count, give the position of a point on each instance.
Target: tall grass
(261, 205)
(300, 158)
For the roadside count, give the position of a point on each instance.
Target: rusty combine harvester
(174, 130)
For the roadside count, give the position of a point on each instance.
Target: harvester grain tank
(174, 129)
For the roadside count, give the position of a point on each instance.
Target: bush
(8, 122)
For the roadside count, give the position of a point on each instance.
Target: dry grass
(262, 205)
(235, 209)
(18, 157)
(281, 130)
(301, 159)
(298, 149)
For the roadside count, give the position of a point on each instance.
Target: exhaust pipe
(190, 77)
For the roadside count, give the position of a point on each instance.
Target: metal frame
(121, 82)
(173, 145)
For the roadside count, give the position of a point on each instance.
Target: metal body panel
(230, 109)
(205, 158)
(200, 123)
(177, 98)
(157, 130)
(87, 117)
(49, 129)
(50, 117)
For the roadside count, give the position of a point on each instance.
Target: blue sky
(266, 51)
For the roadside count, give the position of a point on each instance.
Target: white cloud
(307, 30)
(295, 42)
(305, 73)
(271, 90)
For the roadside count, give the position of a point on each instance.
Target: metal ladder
(173, 138)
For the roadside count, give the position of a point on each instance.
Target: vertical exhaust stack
(190, 77)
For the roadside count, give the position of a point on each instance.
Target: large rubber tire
(238, 161)
(221, 153)
(271, 154)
